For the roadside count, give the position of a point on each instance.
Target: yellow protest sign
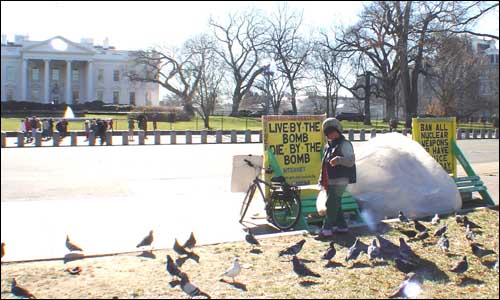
(436, 135)
(296, 142)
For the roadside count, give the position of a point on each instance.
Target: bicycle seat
(278, 179)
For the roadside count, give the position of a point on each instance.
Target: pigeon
(20, 291)
(459, 218)
(71, 246)
(461, 266)
(419, 226)
(330, 252)
(301, 269)
(293, 250)
(354, 251)
(74, 271)
(422, 236)
(250, 238)
(234, 270)
(172, 268)
(440, 230)
(3, 249)
(409, 233)
(471, 224)
(191, 242)
(435, 220)
(182, 251)
(147, 240)
(480, 252)
(404, 265)
(443, 243)
(469, 234)
(404, 250)
(495, 266)
(373, 250)
(191, 289)
(410, 278)
(402, 217)
(179, 261)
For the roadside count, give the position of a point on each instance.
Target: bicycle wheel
(285, 209)
(247, 200)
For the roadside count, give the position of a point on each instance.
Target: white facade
(61, 71)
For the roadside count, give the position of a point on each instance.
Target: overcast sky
(139, 25)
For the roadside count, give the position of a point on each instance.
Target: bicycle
(283, 207)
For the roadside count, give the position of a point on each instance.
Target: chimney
(105, 43)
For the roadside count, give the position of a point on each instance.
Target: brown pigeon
(20, 291)
(147, 240)
(71, 246)
(191, 242)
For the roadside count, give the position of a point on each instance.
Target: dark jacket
(346, 167)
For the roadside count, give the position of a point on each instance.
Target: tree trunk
(292, 100)
(236, 102)
(367, 120)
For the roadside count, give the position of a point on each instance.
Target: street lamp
(268, 74)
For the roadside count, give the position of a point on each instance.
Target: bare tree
(289, 47)
(242, 40)
(273, 85)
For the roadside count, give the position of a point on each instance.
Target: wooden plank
(466, 184)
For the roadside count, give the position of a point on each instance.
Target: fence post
(362, 135)
(483, 133)
(467, 134)
(351, 135)
(233, 137)
(203, 136)
(474, 133)
(73, 138)
(141, 137)
(248, 136)
(4, 140)
(125, 138)
(38, 139)
(260, 136)
(373, 133)
(218, 136)
(490, 133)
(56, 139)
(20, 139)
(189, 137)
(109, 138)
(173, 137)
(157, 138)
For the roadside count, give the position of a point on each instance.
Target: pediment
(58, 44)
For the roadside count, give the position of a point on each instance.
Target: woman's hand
(334, 161)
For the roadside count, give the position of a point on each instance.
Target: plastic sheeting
(396, 173)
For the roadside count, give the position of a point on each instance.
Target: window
(116, 75)
(100, 95)
(132, 98)
(10, 94)
(35, 74)
(11, 73)
(116, 97)
(76, 75)
(55, 74)
(100, 75)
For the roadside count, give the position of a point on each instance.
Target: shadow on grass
(147, 254)
(72, 256)
(256, 251)
(429, 271)
(238, 285)
(359, 265)
(488, 264)
(465, 281)
(307, 283)
(333, 264)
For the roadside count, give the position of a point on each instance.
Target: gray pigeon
(480, 252)
(191, 242)
(435, 220)
(146, 241)
(302, 270)
(422, 236)
(71, 246)
(191, 289)
(354, 251)
(461, 266)
(471, 224)
(20, 291)
(440, 230)
(373, 250)
(182, 251)
(172, 268)
(443, 243)
(402, 217)
(294, 249)
(404, 250)
(410, 278)
(469, 234)
(250, 238)
(459, 218)
(330, 252)
(419, 226)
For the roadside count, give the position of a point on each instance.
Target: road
(108, 198)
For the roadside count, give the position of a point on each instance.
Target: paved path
(108, 198)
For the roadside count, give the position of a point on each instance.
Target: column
(46, 79)
(24, 79)
(68, 82)
(90, 90)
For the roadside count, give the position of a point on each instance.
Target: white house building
(61, 71)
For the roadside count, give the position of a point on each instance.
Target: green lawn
(216, 122)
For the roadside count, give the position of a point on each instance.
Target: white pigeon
(435, 220)
(373, 250)
(234, 270)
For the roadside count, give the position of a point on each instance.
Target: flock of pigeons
(404, 257)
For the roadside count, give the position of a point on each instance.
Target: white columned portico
(46, 82)
(68, 82)
(90, 90)
(24, 79)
